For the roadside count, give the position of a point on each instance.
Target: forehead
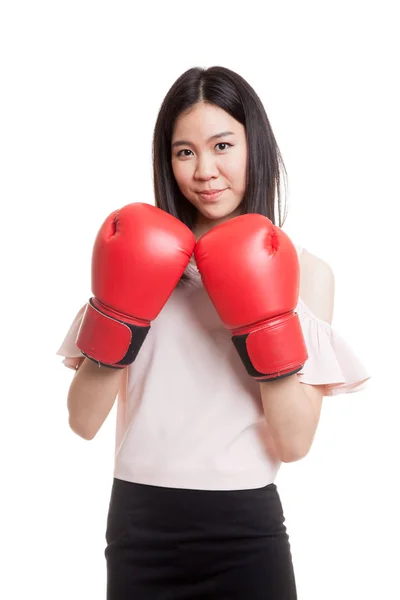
(203, 120)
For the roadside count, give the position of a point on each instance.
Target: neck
(203, 224)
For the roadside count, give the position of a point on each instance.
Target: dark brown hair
(228, 90)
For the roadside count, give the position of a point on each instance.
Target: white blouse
(188, 414)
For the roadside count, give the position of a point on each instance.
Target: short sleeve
(331, 361)
(68, 349)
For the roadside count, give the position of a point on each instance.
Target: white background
(81, 86)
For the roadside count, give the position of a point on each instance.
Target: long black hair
(228, 90)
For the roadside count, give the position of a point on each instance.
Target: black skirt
(179, 544)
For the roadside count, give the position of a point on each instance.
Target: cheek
(236, 172)
(182, 173)
(235, 167)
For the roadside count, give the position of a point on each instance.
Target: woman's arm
(293, 409)
(91, 397)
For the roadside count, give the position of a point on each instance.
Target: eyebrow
(213, 137)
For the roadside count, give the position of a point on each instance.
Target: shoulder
(317, 285)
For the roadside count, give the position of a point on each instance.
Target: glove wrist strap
(273, 349)
(108, 341)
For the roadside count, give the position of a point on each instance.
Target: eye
(225, 144)
(184, 150)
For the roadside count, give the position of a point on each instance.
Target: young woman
(213, 330)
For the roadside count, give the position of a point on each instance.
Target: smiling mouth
(211, 195)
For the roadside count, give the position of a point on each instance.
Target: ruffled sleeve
(68, 349)
(331, 360)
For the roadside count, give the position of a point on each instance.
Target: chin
(216, 213)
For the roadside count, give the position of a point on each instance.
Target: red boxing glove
(138, 258)
(251, 272)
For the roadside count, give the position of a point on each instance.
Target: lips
(209, 195)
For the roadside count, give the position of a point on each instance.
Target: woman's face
(209, 155)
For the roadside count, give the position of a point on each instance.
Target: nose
(206, 167)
